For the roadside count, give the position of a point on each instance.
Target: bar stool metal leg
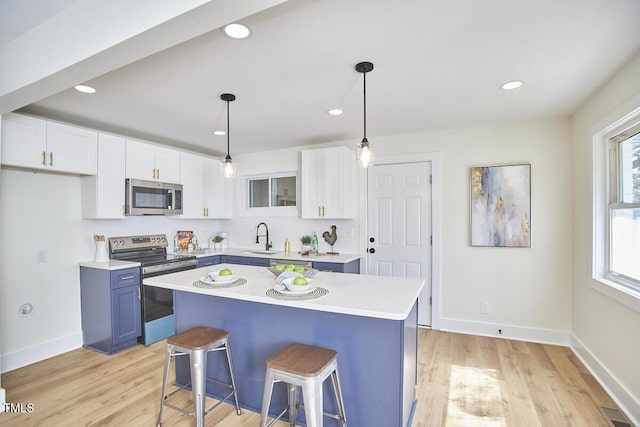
(165, 377)
(294, 395)
(233, 383)
(312, 394)
(198, 373)
(266, 398)
(335, 380)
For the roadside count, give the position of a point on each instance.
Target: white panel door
(399, 225)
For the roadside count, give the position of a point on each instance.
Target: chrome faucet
(267, 245)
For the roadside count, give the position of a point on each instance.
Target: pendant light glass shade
(228, 167)
(364, 154)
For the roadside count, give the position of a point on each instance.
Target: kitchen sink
(259, 252)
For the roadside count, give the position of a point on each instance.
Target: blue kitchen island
(370, 321)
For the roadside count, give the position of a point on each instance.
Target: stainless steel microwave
(152, 198)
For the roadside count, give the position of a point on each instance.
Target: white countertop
(254, 253)
(341, 258)
(110, 265)
(360, 295)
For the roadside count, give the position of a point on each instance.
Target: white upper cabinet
(103, 194)
(192, 180)
(72, 149)
(205, 193)
(329, 183)
(31, 142)
(152, 163)
(219, 192)
(24, 140)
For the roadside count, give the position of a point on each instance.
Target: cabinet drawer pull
(139, 298)
(44, 158)
(319, 214)
(51, 158)
(158, 177)
(127, 277)
(323, 211)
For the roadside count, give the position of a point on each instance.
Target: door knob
(371, 239)
(372, 251)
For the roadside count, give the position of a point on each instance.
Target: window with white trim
(271, 191)
(623, 209)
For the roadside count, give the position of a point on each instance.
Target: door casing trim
(435, 159)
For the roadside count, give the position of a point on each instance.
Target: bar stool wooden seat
(304, 367)
(197, 343)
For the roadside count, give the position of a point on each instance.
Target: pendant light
(364, 155)
(228, 167)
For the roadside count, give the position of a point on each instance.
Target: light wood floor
(463, 380)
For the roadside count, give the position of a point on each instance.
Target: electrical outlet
(484, 308)
(41, 256)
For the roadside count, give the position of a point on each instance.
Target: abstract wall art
(501, 206)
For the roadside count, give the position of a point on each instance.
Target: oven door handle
(156, 270)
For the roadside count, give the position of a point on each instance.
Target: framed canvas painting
(501, 206)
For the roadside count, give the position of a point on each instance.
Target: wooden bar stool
(303, 366)
(197, 343)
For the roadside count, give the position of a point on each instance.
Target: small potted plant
(306, 245)
(217, 243)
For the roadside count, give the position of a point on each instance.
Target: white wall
(529, 290)
(607, 329)
(39, 212)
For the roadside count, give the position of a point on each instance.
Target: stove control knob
(162, 239)
(153, 240)
(121, 242)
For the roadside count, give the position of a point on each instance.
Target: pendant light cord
(364, 75)
(228, 155)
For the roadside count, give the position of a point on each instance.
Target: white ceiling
(438, 64)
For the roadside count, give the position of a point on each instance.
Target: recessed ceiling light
(237, 31)
(85, 89)
(219, 132)
(335, 112)
(515, 84)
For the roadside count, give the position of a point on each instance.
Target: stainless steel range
(150, 251)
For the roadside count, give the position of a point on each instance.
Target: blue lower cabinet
(244, 260)
(110, 308)
(336, 267)
(207, 261)
(125, 315)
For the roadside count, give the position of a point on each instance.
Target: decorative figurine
(331, 238)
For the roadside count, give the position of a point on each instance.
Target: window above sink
(271, 194)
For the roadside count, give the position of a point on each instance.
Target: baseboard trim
(18, 359)
(618, 392)
(488, 329)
